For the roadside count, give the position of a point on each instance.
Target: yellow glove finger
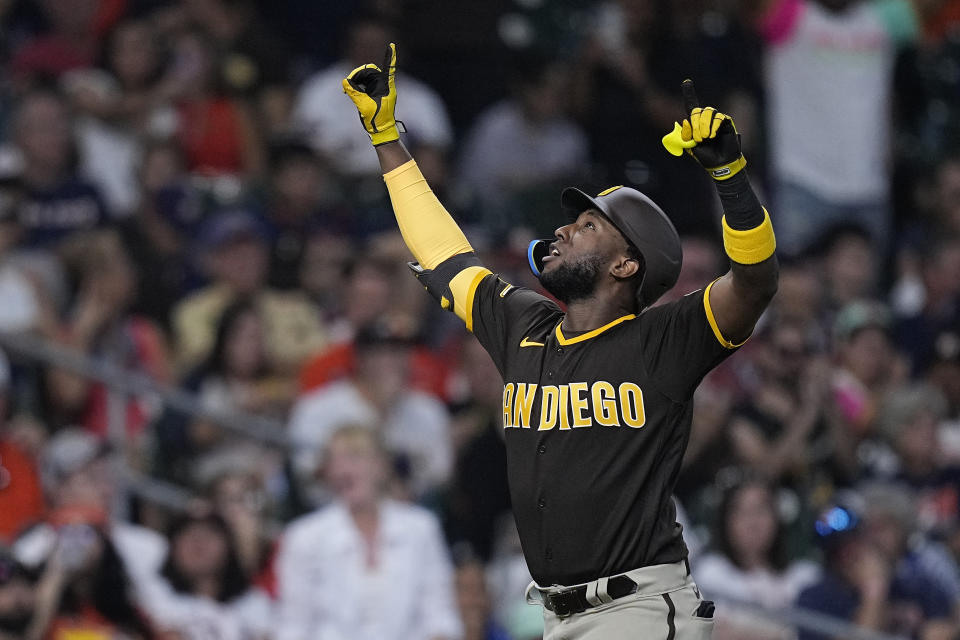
(706, 121)
(717, 121)
(695, 116)
(686, 132)
(390, 62)
(352, 74)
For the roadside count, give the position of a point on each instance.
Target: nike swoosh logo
(526, 342)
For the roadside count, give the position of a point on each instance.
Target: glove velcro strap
(727, 171)
(389, 134)
(750, 246)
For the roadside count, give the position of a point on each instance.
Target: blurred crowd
(186, 194)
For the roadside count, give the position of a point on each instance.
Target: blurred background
(228, 411)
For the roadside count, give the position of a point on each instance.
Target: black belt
(566, 602)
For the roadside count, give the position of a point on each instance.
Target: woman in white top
(365, 567)
(749, 565)
(205, 593)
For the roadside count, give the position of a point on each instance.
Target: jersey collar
(592, 333)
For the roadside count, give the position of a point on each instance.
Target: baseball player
(597, 400)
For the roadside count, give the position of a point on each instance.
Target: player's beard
(573, 281)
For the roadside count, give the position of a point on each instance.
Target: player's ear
(625, 267)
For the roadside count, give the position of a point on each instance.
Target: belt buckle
(564, 603)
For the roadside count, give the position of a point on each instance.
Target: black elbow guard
(437, 281)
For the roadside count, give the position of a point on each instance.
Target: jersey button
(549, 374)
(548, 553)
(559, 349)
(541, 449)
(541, 503)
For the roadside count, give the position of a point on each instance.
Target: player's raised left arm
(734, 302)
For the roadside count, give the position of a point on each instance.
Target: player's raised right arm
(447, 265)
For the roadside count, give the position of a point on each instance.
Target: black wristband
(741, 207)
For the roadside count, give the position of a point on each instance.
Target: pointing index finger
(690, 101)
(390, 59)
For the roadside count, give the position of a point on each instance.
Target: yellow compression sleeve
(429, 231)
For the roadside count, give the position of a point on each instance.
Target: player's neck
(593, 313)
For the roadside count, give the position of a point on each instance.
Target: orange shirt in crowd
(428, 372)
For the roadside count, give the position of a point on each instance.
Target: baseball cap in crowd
(68, 452)
(859, 315)
(902, 406)
(231, 225)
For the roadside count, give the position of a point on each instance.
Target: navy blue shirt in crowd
(911, 586)
(48, 215)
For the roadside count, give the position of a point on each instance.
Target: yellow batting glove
(707, 135)
(374, 92)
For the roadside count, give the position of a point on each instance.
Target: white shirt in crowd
(327, 591)
(829, 78)
(720, 579)
(323, 112)
(417, 426)
(247, 617)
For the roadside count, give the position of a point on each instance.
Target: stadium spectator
(786, 410)
(22, 309)
(85, 589)
(235, 377)
(78, 472)
(364, 567)
(326, 269)
(320, 110)
(100, 323)
(255, 61)
(300, 206)
(217, 132)
(234, 254)
(169, 213)
(70, 43)
(17, 598)
(749, 563)
(56, 202)
(939, 310)
(378, 395)
(909, 421)
(473, 602)
(522, 147)
(867, 364)
(801, 302)
(849, 264)
(870, 576)
(235, 482)
(206, 593)
(829, 79)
